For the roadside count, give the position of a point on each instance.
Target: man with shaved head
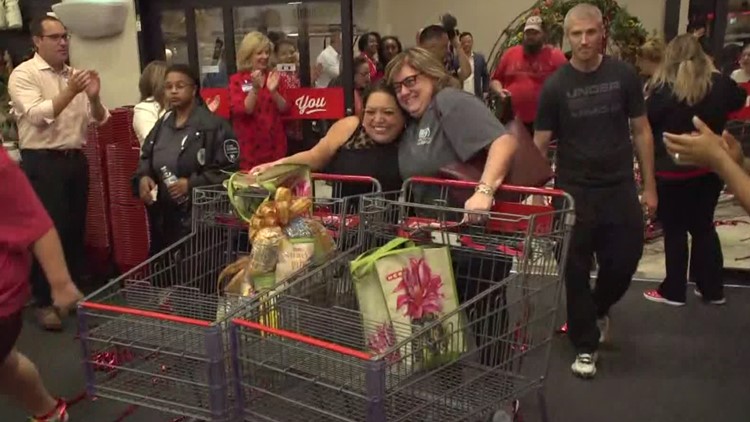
(591, 104)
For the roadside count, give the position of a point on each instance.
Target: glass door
(173, 25)
(209, 31)
(208, 37)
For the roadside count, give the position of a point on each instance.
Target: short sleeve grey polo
(454, 128)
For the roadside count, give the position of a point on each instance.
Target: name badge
(247, 87)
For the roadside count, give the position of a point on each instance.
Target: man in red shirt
(524, 68)
(26, 229)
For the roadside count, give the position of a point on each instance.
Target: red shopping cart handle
(462, 184)
(344, 178)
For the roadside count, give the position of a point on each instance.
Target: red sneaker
(655, 296)
(59, 414)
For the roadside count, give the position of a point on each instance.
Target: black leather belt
(53, 152)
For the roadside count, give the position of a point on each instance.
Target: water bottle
(170, 179)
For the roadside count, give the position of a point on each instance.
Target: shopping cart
(312, 363)
(154, 337)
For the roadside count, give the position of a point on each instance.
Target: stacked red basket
(98, 240)
(127, 213)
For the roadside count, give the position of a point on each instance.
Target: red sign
(210, 94)
(315, 103)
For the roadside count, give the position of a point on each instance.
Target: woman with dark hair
(188, 147)
(286, 53)
(369, 48)
(390, 46)
(363, 146)
(361, 68)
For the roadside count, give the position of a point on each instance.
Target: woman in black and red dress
(257, 104)
(369, 47)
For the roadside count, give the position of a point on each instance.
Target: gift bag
(416, 287)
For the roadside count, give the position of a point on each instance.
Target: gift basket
(284, 238)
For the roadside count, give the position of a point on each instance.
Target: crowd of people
(417, 110)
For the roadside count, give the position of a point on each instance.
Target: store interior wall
(486, 19)
(117, 61)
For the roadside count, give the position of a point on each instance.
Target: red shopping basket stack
(98, 239)
(127, 213)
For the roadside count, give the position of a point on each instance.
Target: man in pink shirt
(54, 105)
(26, 230)
(524, 68)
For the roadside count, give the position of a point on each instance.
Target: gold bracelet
(485, 189)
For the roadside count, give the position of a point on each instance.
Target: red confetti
(109, 361)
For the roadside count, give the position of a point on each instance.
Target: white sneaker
(584, 365)
(721, 301)
(603, 324)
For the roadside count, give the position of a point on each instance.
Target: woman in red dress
(369, 46)
(257, 104)
(286, 54)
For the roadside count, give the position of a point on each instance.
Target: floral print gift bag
(408, 292)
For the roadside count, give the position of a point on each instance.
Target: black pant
(609, 225)
(167, 223)
(687, 206)
(61, 181)
(487, 317)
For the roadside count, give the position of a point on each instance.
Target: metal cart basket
(153, 337)
(302, 356)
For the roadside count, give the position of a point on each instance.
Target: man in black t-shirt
(591, 104)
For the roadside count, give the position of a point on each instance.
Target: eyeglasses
(57, 37)
(407, 82)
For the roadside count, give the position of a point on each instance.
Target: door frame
(151, 43)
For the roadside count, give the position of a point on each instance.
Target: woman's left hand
(479, 202)
(179, 189)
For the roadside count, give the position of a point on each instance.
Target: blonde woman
(650, 56)
(151, 107)
(256, 101)
(449, 125)
(686, 85)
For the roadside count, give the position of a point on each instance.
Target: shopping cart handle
(348, 178)
(343, 178)
(462, 184)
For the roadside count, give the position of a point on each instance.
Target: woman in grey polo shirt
(446, 126)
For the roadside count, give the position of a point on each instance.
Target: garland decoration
(624, 33)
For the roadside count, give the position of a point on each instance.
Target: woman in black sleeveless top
(357, 147)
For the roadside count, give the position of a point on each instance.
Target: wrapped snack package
(265, 251)
(294, 254)
(299, 228)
